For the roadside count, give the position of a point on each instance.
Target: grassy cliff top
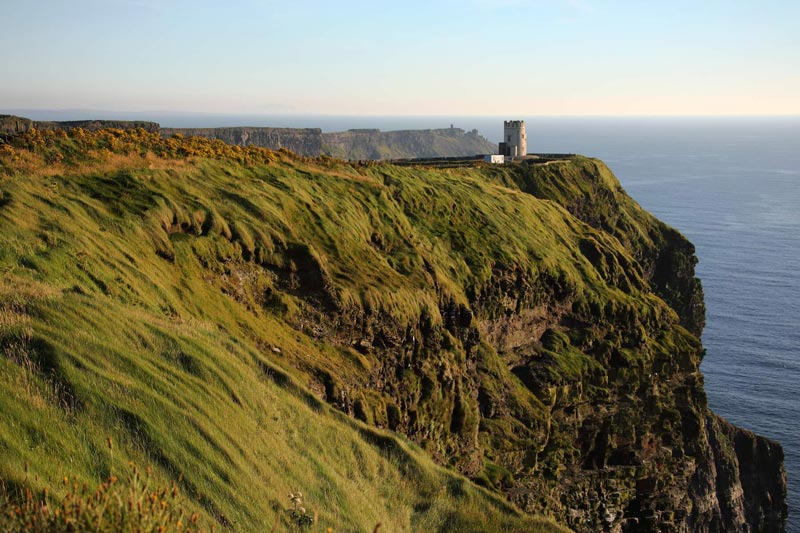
(120, 317)
(171, 294)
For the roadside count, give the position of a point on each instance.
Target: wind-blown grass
(151, 293)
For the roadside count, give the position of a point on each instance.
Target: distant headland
(357, 144)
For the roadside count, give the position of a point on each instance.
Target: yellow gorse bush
(77, 147)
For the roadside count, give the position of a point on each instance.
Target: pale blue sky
(415, 57)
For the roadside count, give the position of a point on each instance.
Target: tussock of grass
(131, 505)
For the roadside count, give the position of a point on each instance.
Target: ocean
(731, 185)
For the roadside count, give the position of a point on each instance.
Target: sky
(403, 57)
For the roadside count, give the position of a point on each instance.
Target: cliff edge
(692, 470)
(302, 141)
(376, 144)
(13, 125)
(260, 321)
(357, 144)
(361, 144)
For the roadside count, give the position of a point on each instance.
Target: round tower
(514, 138)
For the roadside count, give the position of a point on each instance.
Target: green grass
(169, 304)
(257, 323)
(191, 400)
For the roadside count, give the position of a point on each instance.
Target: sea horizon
(335, 121)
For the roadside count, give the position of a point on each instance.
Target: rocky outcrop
(306, 141)
(12, 125)
(377, 144)
(762, 475)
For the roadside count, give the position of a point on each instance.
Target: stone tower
(515, 141)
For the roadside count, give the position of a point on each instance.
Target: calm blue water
(731, 185)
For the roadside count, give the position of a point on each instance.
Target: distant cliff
(302, 141)
(12, 125)
(351, 144)
(310, 142)
(376, 144)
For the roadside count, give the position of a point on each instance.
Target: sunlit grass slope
(157, 292)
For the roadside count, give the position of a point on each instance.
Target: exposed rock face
(592, 411)
(12, 125)
(306, 142)
(376, 144)
(762, 476)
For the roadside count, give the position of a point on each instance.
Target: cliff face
(12, 125)
(376, 144)
(352, 144)
(529, 326)
(311, 142)
(590, 408)
(678, 467)
(592, 193)
(306, 142)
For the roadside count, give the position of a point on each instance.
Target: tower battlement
(515, 140)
